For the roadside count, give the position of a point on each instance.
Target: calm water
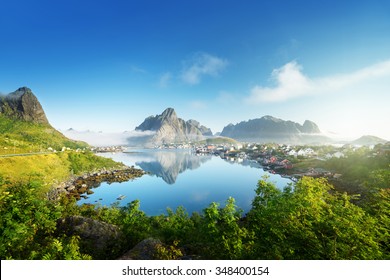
(182, 178)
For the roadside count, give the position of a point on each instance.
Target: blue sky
(106, 65)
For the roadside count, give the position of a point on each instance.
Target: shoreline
(78, 186)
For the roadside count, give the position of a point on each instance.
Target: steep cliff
(169, 128)
(22, 104)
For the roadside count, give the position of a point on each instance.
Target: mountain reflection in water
(181, 178)
(169, 164)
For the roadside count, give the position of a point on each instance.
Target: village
(289, 161)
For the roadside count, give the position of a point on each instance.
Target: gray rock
(98, 239)
(169, 128)
(145, 250)
(23, 104)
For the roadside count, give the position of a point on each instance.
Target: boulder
(145, 250)
(97, 239)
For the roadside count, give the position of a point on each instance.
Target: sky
(107, 65)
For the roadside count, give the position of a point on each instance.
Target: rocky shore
(79, 186)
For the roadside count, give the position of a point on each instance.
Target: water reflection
(180, 178)
(169, 164)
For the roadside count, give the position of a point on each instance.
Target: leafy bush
(311, 222)
(28, 224)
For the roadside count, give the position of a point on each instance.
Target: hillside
(368, 140)
(24, 127)
(28, 143)
(18, 136)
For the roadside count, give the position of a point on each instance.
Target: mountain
(204, 130)
(22, 104)
(368, 140)
(271, 129)
(24, 126)
(169, 128)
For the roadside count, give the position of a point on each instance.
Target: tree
(311, 221)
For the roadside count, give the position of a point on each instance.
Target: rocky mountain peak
(310, 127)
(169, 113)
(169, 128)
(23, 104)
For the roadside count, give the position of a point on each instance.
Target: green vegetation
(18, 136)
(309, 220)
(28, 224)
(51, 169)
(217, 141)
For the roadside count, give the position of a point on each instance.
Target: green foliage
(307, 220)
(358, 165)
(175, 226)
(168, 252)
(223, 237)
(311, 222)
(377, 204)
(28, 224)
(135, 223)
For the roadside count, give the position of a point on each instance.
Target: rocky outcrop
(270, 129)
(145, 250)
(204, 130)
(169, 128)
(81, 185)
(309, 127)
(97, 239)
(23, 104)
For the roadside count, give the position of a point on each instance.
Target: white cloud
(106, 139)
(165, 80)
(202, 64)
(198, 105)
(291, 82)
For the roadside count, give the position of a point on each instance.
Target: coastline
(77, 186)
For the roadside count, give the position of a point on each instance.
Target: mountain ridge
(169, 128)
(271, 129)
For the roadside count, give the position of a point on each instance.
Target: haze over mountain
(271, 129)
(169, 128)
(367, 140)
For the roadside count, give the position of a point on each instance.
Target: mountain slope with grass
(29, 145)
(24, 127)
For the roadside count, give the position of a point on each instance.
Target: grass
(21, 137)
(18, 136)
(51, 169)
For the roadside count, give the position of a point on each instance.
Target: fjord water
(182, 178)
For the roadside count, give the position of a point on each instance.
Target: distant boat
(121, 197)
